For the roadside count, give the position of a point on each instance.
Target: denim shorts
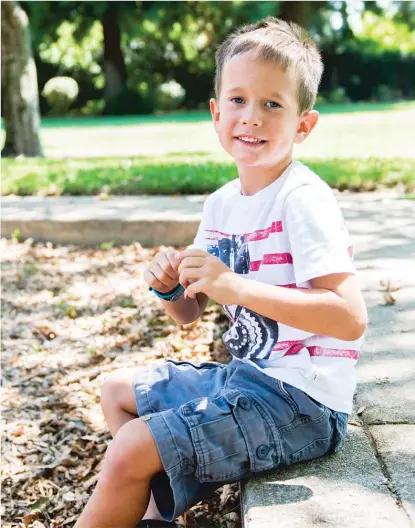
(215, 424)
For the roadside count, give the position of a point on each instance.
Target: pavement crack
(384, 468)
(379, 422)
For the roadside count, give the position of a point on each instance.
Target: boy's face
(258, 100)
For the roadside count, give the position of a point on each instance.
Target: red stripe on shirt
(262, 234)
(215, 234)
(333, 352)
(272, 258)
(282, 345)
(294, 347)
(291, 347)
(259, 234)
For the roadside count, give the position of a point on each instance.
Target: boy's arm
(333, 306)
(186, 310)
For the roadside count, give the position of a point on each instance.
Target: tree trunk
(19, 84)
(114, 66)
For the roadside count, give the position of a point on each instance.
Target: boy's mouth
(250, 140)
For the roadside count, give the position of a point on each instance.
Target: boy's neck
(254, 179)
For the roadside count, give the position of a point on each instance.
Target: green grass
(361, 130)
(359, 147)
(203, 115)
(182, 174)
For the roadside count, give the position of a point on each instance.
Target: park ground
(71, 316)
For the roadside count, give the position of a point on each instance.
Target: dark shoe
(150, 523)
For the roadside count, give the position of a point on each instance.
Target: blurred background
(100, 80)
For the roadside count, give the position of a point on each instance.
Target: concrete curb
(150, 220)
(85, 220)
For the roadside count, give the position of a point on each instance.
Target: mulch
(70, 316)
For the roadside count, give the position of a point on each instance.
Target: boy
(272, 248)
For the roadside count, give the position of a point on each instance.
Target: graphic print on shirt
(251, 335)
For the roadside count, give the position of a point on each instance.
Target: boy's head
(282, 43)
(266, 83)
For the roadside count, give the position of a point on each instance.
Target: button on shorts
(215, 424)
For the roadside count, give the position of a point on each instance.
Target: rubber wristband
(171, 295)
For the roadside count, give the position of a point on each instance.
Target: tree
(81, 17)
(19, 84)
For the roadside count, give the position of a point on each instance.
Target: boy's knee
(133, 453)
(116, 388)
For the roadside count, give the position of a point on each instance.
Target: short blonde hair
(285, 43)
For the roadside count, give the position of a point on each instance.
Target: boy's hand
(201, 272)
(162, 272)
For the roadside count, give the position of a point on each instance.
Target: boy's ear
(214, 110)
(307, 122)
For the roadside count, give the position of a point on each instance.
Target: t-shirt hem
(300, 382)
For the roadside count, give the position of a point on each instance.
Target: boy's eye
(273, 104)
(237, 100)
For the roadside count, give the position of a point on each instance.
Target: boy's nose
(251, 119)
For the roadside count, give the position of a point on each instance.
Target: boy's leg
(117, 399)
(121, 496)
(119, 407)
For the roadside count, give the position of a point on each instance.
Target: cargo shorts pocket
(258, 428)
(219, 445)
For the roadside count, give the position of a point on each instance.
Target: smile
(252, 142)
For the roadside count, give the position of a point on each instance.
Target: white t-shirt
(284, 235)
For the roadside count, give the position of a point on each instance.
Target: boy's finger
(192, 253)
(191, 262)
(163, 278)
(152, 280)
(189, 275)
(174, 261)
(167, 266)
(194, 288)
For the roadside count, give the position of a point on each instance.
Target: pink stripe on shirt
(294, 347)
(333, 352)
(259, 234)
(272, 258)
(262, 234)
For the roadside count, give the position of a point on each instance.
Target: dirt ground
(70, 316)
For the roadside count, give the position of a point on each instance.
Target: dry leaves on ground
(69, 317)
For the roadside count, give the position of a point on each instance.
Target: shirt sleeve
(318, 237)
(200, 238)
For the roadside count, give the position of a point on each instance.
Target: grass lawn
(183, 174)
(344, 131)
(356, 147)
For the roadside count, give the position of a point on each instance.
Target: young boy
(273, 250)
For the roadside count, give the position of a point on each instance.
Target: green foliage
(129, 102)
(16, 234)
(380, 33)
(383, 92)
(164, 41)
(60, 93)
(169, 96)
(338, 96)
(173, 176)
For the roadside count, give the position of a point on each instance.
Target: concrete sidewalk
(371, 483)
(150, 220)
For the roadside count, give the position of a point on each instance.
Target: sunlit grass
(176, 174)
(344, 131)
